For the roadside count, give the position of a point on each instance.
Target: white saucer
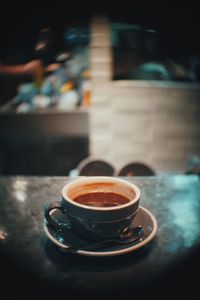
(143, 218)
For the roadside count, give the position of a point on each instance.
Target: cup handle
(52, 221)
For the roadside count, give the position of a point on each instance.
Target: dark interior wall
(20, 22)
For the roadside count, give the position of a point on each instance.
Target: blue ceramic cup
(102, 219)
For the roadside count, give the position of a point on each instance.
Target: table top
(173, 200)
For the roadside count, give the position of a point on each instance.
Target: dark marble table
(169, 261)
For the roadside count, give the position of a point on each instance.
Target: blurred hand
(33, 67)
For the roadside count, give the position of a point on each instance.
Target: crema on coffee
(101, 199)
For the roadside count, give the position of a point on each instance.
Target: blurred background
(114, 81)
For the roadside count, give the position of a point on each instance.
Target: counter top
(174, 201)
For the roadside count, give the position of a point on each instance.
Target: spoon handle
(97, 245)
(93, 246)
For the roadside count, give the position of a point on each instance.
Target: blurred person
(11, 76)
(31, 59)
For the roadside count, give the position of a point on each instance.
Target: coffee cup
(96, 207)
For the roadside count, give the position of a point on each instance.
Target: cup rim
(101, 179)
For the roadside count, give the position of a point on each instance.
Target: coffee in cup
(101, 199)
